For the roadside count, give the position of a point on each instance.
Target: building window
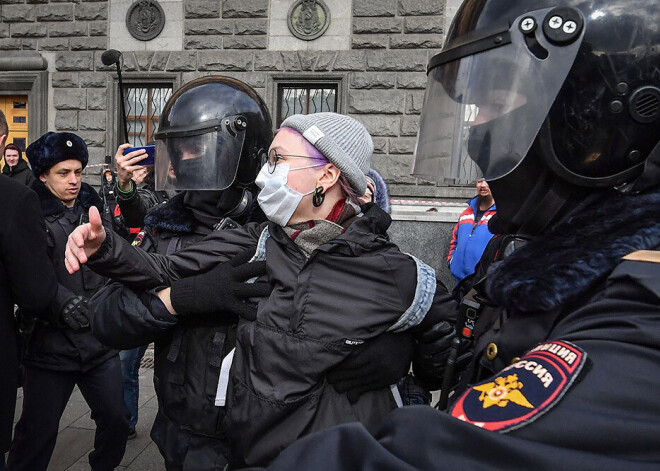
(144, 105)
(305, 99)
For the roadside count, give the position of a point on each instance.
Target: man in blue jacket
(471, 233)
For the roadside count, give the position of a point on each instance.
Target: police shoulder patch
(523, 391)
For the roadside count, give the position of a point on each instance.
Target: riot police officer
(212, 139)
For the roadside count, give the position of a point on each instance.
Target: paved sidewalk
(76, 434)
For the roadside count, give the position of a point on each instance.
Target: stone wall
(70, 35)
(382, 62)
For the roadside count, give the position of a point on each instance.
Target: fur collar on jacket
(51, 205)
(174, 216)
(581, 251)
(171, 216)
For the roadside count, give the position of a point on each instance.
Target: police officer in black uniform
(213, 135)
(559, 106)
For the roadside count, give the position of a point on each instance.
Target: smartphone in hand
(149, 160)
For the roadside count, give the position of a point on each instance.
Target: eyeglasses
(274, 157)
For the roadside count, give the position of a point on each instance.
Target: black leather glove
(432, 350)
(376, 364)
(74, 314)
(223, 289)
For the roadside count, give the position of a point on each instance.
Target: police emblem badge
(523, 391)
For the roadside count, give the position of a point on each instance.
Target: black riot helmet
(214, 133)
(563, 93)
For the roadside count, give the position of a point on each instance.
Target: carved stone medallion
(145, 19)
(308, 19)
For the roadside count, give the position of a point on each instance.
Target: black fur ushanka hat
(55, 147)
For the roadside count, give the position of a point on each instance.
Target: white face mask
(276, 199)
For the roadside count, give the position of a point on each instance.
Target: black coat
(579, 328)
(52, 344)
(321, 309)
(26, 278)
(19, 172)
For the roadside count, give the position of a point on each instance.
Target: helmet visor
(486, 100)
(201, 159)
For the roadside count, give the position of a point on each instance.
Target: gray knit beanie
(343, 140)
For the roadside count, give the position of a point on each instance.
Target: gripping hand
(74, 314)
(223, 289)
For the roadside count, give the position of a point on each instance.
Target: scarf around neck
(309, 235)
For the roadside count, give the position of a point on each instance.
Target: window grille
(305, 99)
(144, 105)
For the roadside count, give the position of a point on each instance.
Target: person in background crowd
(27, 279)
(15, 167)
(107, 191)
(566, 329)
(471, 234)
(315, 248)
(61, 351)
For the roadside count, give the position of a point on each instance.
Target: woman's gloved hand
(375, 364)
(223, 289)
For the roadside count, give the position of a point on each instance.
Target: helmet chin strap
(242, 206)
(544, 211)
(539, 205)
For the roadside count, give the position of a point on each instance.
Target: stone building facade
(374, 53)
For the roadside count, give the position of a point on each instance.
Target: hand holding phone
(149, 160)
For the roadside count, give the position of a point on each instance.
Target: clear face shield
(203, 158)
(487, 98)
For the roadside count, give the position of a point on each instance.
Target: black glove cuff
(183, 296)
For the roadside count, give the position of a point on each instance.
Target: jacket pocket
(267, 427)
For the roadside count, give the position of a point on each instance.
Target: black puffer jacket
(52, 345)
(351, 289)
(19, 172)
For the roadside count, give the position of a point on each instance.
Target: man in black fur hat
(62, 352)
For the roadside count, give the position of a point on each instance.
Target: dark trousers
(45, 395)
(130, 371)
